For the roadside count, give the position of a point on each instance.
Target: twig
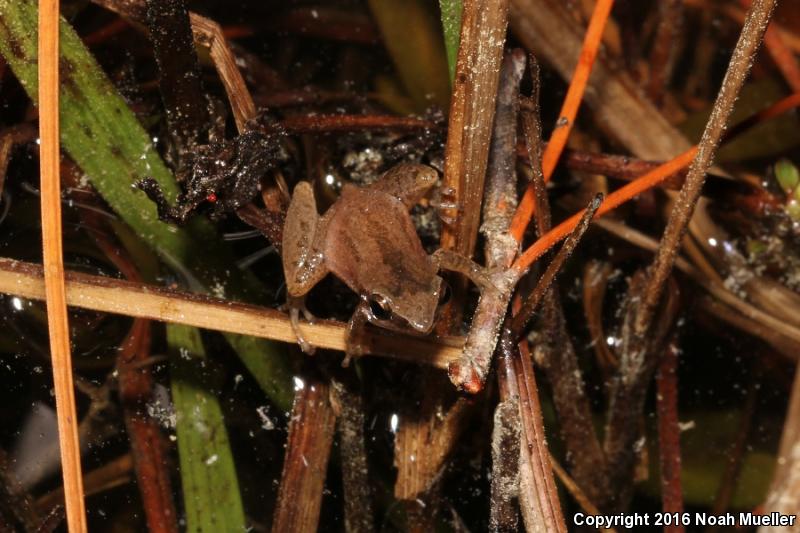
(469, 372)
(305, 466)
(638, 359)
(147, 443)
(346, 123)
(536, 474)
(749, 41)
(55, 290)
(147, 301)
(569, 111)
(669, 436)
(536, 493)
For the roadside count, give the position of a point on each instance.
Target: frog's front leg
(303, 261)
(453, 261)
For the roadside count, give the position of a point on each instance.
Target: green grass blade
(208, 475)
(411, 33)
(451, 25)
(104, 138)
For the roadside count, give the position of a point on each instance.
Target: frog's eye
(212, 198)
(379, 307)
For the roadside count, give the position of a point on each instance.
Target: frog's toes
(354, 349)
(306, 347)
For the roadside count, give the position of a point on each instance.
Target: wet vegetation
(617, 327)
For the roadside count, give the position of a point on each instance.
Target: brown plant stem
(55, 291)
(536, 473)
(472, 108)
(741, 61)
(209, 34)
(554, 349)
(782, 56)
(505, 464)
(345, 123)
(638, 359)
(305, 465)
(148, 448)
(535, 491)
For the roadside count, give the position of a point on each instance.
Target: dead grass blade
(55, 290)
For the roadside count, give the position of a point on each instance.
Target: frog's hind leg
(297, 306)
(303, 263)
(354, 341)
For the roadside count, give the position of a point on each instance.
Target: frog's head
(411, 305)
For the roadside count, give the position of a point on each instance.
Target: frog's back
(371, 243)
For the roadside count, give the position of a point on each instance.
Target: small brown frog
(367, 239)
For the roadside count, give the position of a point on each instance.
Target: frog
(368, 240)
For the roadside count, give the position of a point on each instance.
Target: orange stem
(612, 201)
(55, 292)
(569, 110)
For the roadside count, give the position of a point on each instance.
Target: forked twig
(55, 290)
